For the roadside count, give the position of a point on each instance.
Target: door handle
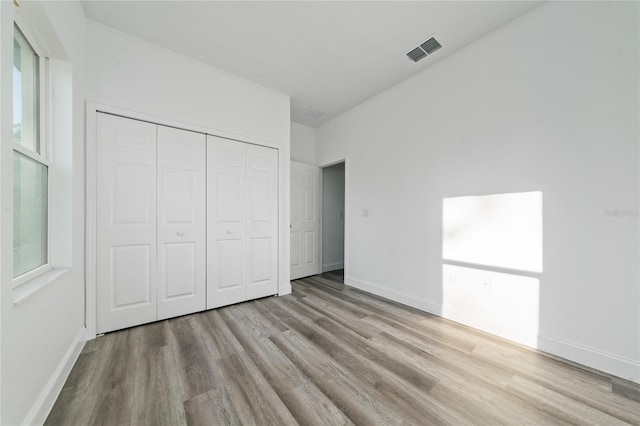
(229, 232)
(180, 234)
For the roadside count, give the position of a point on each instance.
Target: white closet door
(225, 222)
(126, 223)
(181, 222)
(305, 220)
(262, 221)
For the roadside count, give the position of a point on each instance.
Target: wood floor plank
(310, 406)
(198, 372)
(211, 408)
(254, 399)
(349, 394)
(329, 354)
(561, 405)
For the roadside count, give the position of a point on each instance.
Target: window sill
(24, 291)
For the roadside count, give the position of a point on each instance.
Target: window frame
(44, 133)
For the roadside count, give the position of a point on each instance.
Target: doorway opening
(333, 221)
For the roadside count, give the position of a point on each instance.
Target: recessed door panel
(260, 259)
(309, 247)
(260, 200)
(131, 193)
(229, 265)
(310, 199)
(295, 200)
(131, 273)
(181, 222)
(229, 197)
(305, 220)
(295, 248)
(179, 205)
(126, 223)
(179, 270)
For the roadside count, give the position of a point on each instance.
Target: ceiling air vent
(426, 48)
(416, 54)
(314, 112)
(430, 45)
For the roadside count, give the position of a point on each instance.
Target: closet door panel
(126, 223)
(225, 222)
(262, 221)
(181, 222)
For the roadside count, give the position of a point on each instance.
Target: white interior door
(305, 220)
(181, 222)
(126, 222)
(261, 252)
(225, 222)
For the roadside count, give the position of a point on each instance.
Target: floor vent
(426, 48)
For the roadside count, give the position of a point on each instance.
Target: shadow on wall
(492, 263)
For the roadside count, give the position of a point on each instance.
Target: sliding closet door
(225, 222)
(181, 222)
(262, 221)
(126, 222)
(242, 222)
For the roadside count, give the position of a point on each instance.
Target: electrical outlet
(365, 212)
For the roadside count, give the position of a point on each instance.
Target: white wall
(127, 72)
(303, 143)
(333, 217)
(547, 103)
(42, 334)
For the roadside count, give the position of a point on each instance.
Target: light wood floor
(328, 354)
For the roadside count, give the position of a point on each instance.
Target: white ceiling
(330, 55)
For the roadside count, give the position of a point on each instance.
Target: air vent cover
(430, 45)
(426, 48)
(314, 112)
(416, 54)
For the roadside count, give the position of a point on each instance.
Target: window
(31, 177)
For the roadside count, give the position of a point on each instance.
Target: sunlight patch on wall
(499, 303)
(502, 230)
(492, 261)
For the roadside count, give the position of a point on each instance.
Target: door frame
(91, 126)
(322, 166)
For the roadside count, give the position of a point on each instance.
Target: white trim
(90, 219)
(34, 283)
(92, 109)
(37, 278)
(30, 32)
(604, 361)
(284, 289)
(31, 275)
(332, 266)
(43, 405)
(424, 305)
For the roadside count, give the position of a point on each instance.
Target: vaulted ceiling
(328, 55)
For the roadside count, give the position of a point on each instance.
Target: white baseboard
(284, 289)
(594, 358)
(332, 266)
(43, 405)
(423, 305)
(604, 361)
